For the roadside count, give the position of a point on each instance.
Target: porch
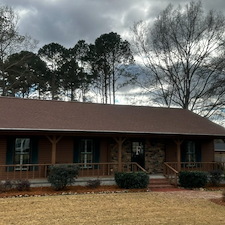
(40, 171)
(100, 157)
(172, 169)
(104, 170)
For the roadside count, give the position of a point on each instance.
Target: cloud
(67, 21)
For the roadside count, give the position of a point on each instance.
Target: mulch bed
(73, 190)
(43, 191)
(167, 189)
(218, 201)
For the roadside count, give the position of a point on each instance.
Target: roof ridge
(24, 114)
(93, 103)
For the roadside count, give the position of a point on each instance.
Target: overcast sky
(67, 21)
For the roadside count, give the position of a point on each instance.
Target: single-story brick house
(101, 138)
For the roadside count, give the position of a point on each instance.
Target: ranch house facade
(102, 139)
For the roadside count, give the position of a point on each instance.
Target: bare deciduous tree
(184, 53)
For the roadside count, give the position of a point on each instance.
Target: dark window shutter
(10, 153)
(34, 151)
(198, 152)
(96, 151)
(76, 151)
(10, 150)
(183, 151)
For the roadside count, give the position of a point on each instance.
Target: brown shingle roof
(27, 114)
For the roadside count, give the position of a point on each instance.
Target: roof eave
(108, 131)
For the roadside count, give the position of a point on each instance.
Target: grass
(123, 208)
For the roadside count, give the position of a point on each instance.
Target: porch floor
(82, 181)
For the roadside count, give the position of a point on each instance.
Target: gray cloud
(67, 21)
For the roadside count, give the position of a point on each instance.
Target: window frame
(138, 151)
(191, 153)
(22, 149)
(85, 152)
(137, 147)
(11, 153)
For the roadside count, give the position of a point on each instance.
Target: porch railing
(171, 174)
(171, 168)
(198, 166)
(40, 171)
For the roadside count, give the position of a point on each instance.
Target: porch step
(159, 183)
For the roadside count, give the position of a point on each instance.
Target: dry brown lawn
(121, 208)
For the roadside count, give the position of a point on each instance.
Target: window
(137, 153)
(191, 153)
(137, 148)
(22, 152)
(86, 152)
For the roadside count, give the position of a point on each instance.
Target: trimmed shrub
(6, 185)
(132, 180)
(192, 179)
(216, 177)
(62, 175)
(22, 185)
(93, 183)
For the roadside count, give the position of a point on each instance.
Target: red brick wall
(44, 148)
(170, 152)
(104, 157)
(64, 150)
(3, 146)
(207, 151)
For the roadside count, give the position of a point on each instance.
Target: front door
(137, 153)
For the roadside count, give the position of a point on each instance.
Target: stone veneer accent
(154, 155)
(126, 153)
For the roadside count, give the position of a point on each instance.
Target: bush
(19, 185)
(192, 179)
(93, 183)
(6, 186)
(22, 185)
(132, 180)
(62, 175)
(216, 177)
